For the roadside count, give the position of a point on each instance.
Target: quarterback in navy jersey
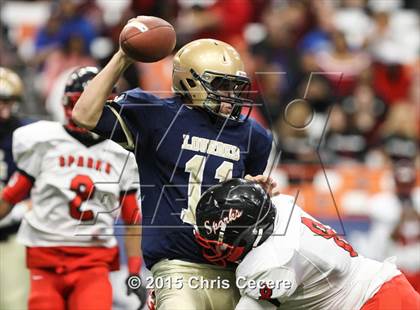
(183, 145)
(176, 145)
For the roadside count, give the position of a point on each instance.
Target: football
(147, 38)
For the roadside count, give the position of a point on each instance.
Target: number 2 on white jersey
(195, 167)
(84, 188)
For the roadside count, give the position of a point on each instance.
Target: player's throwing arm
(144, 39)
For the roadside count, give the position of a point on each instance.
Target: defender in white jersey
(288, 259)
(77, 183)
(76, 189)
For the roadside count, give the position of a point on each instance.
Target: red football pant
(414, 279)
(80, 289)
(395, 294)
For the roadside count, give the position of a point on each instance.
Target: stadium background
(354, 62)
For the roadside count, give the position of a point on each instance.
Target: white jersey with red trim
(76, 191)
(306, 265)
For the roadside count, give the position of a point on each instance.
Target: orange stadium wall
(345, 191)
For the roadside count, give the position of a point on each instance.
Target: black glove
(134, 285)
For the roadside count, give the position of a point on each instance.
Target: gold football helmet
(208, 72)
(11, 86)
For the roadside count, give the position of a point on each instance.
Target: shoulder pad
(282, 200)
(39, 132)
(266, 256)
(113, 147)
(136, 96)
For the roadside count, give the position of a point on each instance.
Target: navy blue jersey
(7, 165)
(180, 151)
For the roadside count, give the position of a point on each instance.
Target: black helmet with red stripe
(232, 218)
(75, 85)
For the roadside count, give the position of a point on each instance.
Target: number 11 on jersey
(195, 167)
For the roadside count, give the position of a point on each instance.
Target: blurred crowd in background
(354, 62)
(336, 81)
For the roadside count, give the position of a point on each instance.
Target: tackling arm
(267, 182)
(88, 108)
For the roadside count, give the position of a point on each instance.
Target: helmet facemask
(217, 252)
(221, 253)
(224, 88)
(69, 101)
